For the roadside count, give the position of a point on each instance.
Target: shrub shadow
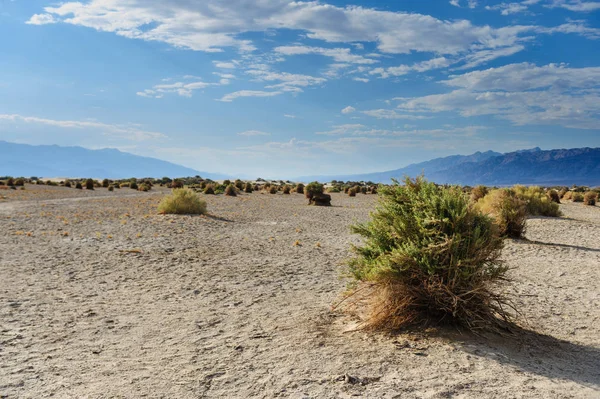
(552, 244)
(536, 353)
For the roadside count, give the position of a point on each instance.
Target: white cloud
(523, 6)
(575, 5)
(249, 93)
(211, 25)
(455, 3)
(342, 55)
(224, 65)
(348, 110)
(41, 19)
(128, 132)
(184, 89)
(250, 133)
(290, 116)
(390, 114)
(434, 63)
(521, 93)
(287, 81)
(364, 80)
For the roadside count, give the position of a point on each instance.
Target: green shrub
(334, 189)
(312, 189)
(20, 182)
(230, 190)
(182, 201)
(10, 181)
(144, 187)
(89, 184)
(537, 202)
(590, 198)
(429, 256)
(363, 189)
(68, 184)
(239, 184)
(300, 188)
(374, 190)
(209, 189)
(248, 188)
(507, 209)
(133, 186)
(105, 183)
(111, 188)
(226, 182)
(577, 197)
(78, 186)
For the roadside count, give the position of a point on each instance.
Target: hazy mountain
(554, 167)
(428, 168)
(55, 161)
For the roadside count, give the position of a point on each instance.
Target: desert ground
(101, 297)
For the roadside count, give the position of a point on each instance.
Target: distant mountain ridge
(56, 161)
(532, 167)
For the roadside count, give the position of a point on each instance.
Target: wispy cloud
(128, 132)
(249, 93)
(250, 133)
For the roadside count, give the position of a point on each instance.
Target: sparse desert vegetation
(254, 282)
(182, 201)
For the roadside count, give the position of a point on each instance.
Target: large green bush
(182, 201)
(429, 256)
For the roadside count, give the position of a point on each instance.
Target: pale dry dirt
(100, 297)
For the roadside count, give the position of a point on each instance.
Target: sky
(278, 89)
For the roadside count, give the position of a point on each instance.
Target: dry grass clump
(230, 190)
(286, 189)
(478, 193)
(111, 188)
(248, 188)
(68, 184)
(144, 187)
(352, 192)
(300, 188)
(507, 209)
(430, 257)
(209, 189)
(182, 201)
(78, 186)
(590, 198)
(89, 184)
(537, 202)
(577, 197)
(554, 196)
(273, 189)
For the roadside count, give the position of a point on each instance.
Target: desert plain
(101, 297)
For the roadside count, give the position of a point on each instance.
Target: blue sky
(275, 88)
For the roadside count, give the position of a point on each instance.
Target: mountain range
(56, 161)
(579, 166)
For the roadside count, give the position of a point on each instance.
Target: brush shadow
(535, 353)
(552, 244)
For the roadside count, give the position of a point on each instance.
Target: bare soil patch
(101, 297)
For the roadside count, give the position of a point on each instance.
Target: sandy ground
(100, 297)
